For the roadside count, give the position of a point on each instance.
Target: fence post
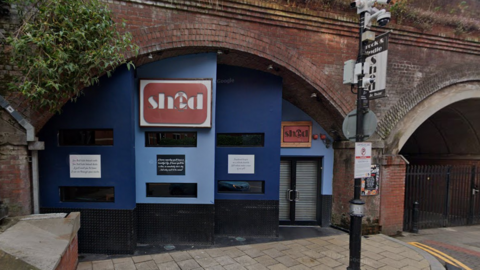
(471, 209)
(415, 217)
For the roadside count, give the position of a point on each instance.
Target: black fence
(446, 196)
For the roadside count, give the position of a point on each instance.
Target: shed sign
(176, 103)
(297, 134)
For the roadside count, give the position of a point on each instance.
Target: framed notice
(241, 164)
(370, 185)
(85, 166)
(170, 164)
(296, 134)
(176, 103)
(363, 159)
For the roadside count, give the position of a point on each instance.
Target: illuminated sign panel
(176, 103)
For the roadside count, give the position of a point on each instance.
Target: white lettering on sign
(179, 102)
(241, 164)
(363, 159)
(85, 166)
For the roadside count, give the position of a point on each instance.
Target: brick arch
(196, 35)
(433, 84)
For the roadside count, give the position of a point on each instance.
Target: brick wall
(15, 189)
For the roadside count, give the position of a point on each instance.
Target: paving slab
(318, 253)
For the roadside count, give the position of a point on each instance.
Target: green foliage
(63, 46)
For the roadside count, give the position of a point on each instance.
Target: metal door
(299, 191)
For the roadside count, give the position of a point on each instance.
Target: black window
(186, 190)
(240, 139)
(78, 137)
(87, 194)
(247, 186)
(170, 139)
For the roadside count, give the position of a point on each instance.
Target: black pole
(356, 205)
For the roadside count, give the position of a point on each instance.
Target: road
(460, 246)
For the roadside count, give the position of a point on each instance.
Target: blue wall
(109, 105)
(199, 160)
(318, 149)
(250, 101)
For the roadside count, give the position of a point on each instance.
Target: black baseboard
(104, 231)
(176, 223)
(246, 218)
(326, 214)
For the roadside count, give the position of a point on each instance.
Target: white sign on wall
(85, 166)
(363, 159)
(241, 164)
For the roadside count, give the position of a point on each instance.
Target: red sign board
(297, 134)
(175, 103)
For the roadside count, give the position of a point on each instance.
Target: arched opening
(444, 155)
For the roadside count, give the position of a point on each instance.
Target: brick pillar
(343, 182)
(392, 190)
(15, 188)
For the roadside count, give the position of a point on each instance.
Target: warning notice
(363, 159)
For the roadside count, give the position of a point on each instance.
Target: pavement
(325, 251)
(458, 246)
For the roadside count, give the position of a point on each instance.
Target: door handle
(289, 195)
(297, 195)
(475, 191)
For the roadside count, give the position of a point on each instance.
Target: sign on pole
(376, 65)
(363, 159)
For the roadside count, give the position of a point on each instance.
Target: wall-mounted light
(150, 56)
(315, 136)
(272, 67)
(223, 52)
(313, 95)
(325, 140)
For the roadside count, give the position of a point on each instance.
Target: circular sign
(350, 124)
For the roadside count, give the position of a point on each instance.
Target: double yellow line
(440, 255)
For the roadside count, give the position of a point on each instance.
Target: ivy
(63, 46)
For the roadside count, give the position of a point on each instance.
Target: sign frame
(88, 173)
(251, 162)
(161, 172)
(307, 143)
(208, 82)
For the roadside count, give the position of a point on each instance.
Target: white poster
(241, 164)
(85, 166)
(363, 159)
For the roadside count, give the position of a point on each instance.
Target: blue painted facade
(249, 101)
(109, 105)
(199, 160)
(243, 101)
(318, 149)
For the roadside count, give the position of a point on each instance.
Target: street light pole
(356, 204)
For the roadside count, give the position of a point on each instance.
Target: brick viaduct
(307, 49)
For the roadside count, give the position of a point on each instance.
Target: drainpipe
(33, 144)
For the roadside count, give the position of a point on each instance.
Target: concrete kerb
(434, 263)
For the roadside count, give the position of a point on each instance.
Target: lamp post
(367, 13)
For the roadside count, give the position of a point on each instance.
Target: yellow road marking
(440, 255)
